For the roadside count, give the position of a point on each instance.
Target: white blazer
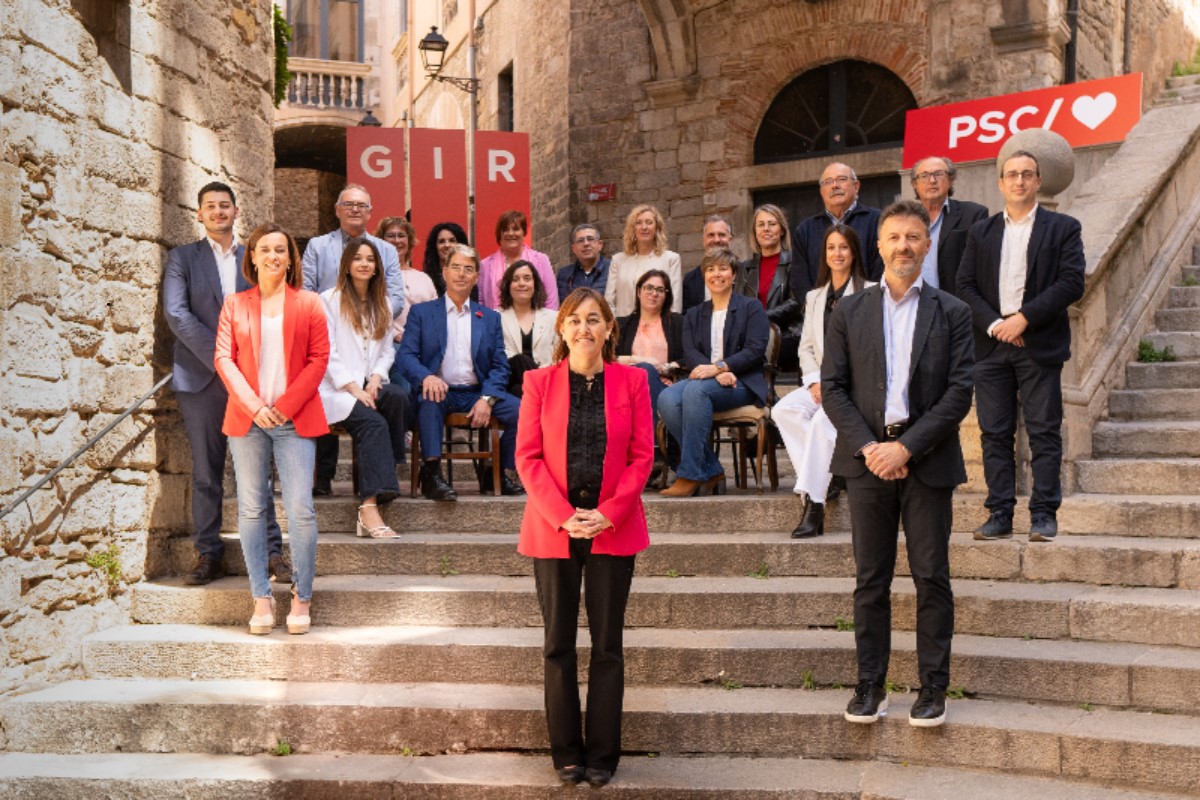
(544, 337)
(352, 359)
(812, 337)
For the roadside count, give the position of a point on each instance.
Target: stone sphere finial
(1054, 155)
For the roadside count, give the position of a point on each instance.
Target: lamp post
(433, 53)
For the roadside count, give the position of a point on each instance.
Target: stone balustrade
(327, 85)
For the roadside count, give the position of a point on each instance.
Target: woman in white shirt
(527, 324)
(418, 287)
(645, 248)
(356, 392)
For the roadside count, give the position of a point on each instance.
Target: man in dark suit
(453, 356)
(589, 270)
(1021, 270)
(718, 233)
(839, 192)
(196, 281)
(949, 220)
(896, 380)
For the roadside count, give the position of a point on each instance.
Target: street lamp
(369, 121)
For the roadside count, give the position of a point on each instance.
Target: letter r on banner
(501, 183)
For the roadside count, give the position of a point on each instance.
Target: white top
(899, 320)
(458, 369)
(226, 266)
(717, 335)
(353, 358)
(418, 288)
(272, 372)
(624, 271)
(1014, 251)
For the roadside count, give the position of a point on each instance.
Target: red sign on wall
(438, 165)
(501, 183)
(375, 159)
(1088, 113)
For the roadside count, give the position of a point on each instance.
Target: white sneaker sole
(867, 719)
(935, 722)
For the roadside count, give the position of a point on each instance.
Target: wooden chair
(475, 452)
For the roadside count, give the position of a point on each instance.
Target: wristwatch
(491, 401)
(721, 366)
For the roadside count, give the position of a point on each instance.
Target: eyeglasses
(936, 175)
(355, 206)
(1025, 175)
(648, 289)
(466, 269)
(587, 240)
(840, 180)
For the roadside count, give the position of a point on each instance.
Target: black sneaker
(206, 570)
(433, 485)
(322, 487)
(869, 703)
(930, 709)
(280, 569)
(1043, 529)
(998, 526)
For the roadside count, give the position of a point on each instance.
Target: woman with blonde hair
(645, 248)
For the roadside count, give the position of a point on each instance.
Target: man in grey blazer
(197, 279)
(896, 381)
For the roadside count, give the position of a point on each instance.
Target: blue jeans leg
(294, 459)
(252, 466)
(687, 408)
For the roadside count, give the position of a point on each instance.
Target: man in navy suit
(718, 233)
(839, 192)
(949, 220)
(1021, 270)
(197, 279)
(453, 357)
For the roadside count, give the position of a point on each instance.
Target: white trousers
(809, 437)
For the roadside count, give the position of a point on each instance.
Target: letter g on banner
(375, 159)
(373, 162)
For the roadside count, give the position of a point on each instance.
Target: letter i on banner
(438, 166)
(501, 183)
(375, 160)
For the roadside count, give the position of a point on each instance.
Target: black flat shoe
(570, 775)
(597, 777)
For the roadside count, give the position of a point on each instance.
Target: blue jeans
(687, 408)
(656, 389)
(294, 458)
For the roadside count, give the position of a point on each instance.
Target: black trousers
(379, 442)
(607, 592)
(518, 365)
(1000, 377)
(876, 508)
(327, 456)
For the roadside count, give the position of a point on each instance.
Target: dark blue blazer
(1054, 280)
(809, 236)
(192, 303)
(424, 346)
(747, 332)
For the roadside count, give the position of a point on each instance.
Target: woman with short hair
(511, 228)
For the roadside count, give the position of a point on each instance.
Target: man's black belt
(894, 431)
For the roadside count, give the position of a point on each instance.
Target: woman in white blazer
(807, 433)
(527, 324)
(355, 391)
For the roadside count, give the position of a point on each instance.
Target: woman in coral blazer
(584, 451)
(272, 351)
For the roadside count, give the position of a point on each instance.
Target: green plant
(843, 623)
(283, 35)
(836, 685)
(281, 748)
(1190, 280)
(1148, 354)
(809, 682)
(1191, 68)
(446, 568)
(407, 752)
(761, 573)
(1088, 707)
(108, 563)
(727, 683)
(672, 573)
(651, 755)
(956, 693)
(896, 688)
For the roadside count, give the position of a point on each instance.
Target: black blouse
(831, 300)
(527, 342)
(587, 438)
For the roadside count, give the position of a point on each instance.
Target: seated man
(453, 356)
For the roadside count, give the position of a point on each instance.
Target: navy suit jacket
(810, 235)
(854, 383)
(1054, 280)
(960, 215)
(424, 346)
(192, 303)
(747, 332)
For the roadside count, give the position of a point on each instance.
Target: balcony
(318, 85)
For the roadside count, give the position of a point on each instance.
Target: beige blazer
(543, 334)
(812, 337)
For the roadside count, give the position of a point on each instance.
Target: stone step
(1147, 439)
(1174, 375)
(1121, 747)
(1183, 344)
(1177, 319)
(1110, 674)
(513, 776)
(1130, 561)
(1184, 297)
(1182, 81)
(990, 608)
(1156, 478)
(1154, 404)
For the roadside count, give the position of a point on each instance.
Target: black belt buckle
(894, 431)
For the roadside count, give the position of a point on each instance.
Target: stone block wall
(112, 115)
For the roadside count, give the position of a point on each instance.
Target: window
(504, 99)
(844, 106)
(327, 29)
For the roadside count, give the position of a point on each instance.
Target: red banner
(438, 164)
(375, 159)
(1088, 113)
(501, 183)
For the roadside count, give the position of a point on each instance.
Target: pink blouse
(492, 268)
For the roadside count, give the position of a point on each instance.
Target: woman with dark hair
(356, 392)
(527, 324)
(725, 344)
(438, 249)
(510, 235)
(644, 247)
(652, 340)
(765, 276)
(271, 352)
(584, 452)
(807, 433)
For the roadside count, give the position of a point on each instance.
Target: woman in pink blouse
(510, 235)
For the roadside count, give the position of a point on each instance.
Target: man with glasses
(1021, 270)
(322, 258)
(590, 267)
(949, 220)
(839, 191)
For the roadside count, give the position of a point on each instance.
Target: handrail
(8, 509)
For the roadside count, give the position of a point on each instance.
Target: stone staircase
(1180, 89)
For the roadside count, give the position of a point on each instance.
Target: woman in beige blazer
(527, 324)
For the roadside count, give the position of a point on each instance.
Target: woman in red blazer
(272, 350)
(584, 451)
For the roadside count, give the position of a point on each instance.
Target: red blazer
(306, 354)
(542, 461)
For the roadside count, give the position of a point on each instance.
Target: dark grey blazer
(192, 303)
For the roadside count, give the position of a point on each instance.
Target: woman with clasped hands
(584, 451)
(272, 351)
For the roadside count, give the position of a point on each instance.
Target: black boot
(812, 523)
(433, 485)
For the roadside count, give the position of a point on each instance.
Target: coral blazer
(542, 461)
(306, 355)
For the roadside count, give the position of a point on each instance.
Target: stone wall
(112, 114)
(305, 199)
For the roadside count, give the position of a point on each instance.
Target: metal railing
(8, 509)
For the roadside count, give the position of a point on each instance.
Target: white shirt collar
(915, 288)
(451, 308)
(1028, 218)
(219, 251)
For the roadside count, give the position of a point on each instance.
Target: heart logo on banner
(1092, 111)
